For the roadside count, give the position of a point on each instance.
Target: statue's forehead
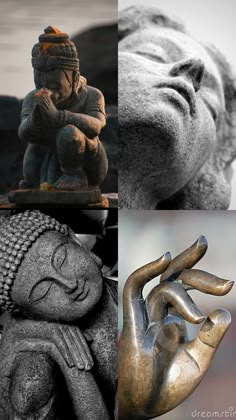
(178, 44)
(55, 74)
(37, 262)
(45, 246)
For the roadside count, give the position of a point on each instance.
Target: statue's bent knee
(70, 136)
(32, 385)
(71, 144)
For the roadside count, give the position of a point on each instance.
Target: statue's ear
(75, 238)
(75, 80)
(226, 131)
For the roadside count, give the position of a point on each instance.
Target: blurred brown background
(93, 27)
(21, 23)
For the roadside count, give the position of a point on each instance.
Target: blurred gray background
(89, 23)
(21, 23)
(143, 237)
(209, 21)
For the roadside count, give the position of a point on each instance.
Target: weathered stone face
(171, 109)
(61, 332)
(59, 82)
(57, 280)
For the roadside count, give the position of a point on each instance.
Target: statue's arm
(29, 130)
(94, 119)
(33, 386)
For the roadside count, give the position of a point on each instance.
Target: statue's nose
(69, 284)
(192, 68)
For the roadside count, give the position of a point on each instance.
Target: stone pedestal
(35, 197)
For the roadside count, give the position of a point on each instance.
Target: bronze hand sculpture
(61, 120)
(158, 366)
(59, 339)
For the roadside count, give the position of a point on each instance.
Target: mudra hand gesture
(48, 111)
(158, 366)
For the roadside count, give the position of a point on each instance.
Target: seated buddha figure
(61, 120)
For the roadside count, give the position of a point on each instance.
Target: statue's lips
(184, 90)
(81, 293)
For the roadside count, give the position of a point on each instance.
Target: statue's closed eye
(153, 52)
(152, 56)
(40, 290)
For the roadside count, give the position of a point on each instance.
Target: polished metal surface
(159, 366)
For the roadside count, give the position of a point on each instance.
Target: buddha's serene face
(58, 81)
(171, 101)
(58, 279)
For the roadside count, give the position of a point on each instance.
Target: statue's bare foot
(45, 186)
(27, 184)
(72, 183)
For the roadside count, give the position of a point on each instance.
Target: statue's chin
(163, 125)
(163, 146)
(160, 141)
(171, 127)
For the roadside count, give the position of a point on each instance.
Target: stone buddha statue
(61, 120)
(59, 339)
